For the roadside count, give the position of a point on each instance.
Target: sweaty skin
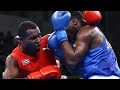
(88, 37)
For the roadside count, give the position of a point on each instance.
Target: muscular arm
(74, 54)
(12, 70)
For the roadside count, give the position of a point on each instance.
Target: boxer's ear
(18, 39)
(83, 22)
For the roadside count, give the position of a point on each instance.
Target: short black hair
(76, 14)
(24, 26)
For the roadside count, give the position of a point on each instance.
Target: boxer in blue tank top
(100, 61)
(84, 48)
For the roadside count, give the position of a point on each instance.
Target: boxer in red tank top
(32, 58)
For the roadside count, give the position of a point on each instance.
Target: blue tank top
(99, 61)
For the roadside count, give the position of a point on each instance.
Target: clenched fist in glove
(53, 43)
(92, 17)
(48, 72)
(60, 21)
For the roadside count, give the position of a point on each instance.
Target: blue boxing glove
(53, 43)
(60, 21)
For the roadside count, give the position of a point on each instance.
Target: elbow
(72, 60)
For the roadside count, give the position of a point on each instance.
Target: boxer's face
(31, 43)
(74, 24)
(73, 27)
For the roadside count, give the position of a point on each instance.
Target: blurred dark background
(9, 20)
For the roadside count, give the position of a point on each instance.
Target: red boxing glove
(48, 72)
(92, 17)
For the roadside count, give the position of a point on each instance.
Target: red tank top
(28, 64)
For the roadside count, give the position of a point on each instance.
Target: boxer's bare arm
(11, 70)
(74, 54)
